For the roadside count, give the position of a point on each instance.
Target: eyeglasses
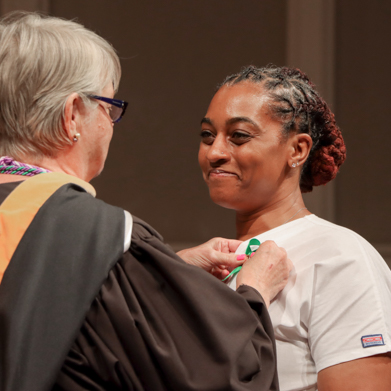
(117, 108)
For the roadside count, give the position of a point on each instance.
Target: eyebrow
(206, 120)
(241, 119)
(231, 121)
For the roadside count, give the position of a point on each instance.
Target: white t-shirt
(336, 306)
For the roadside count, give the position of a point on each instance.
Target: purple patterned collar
(10, 166)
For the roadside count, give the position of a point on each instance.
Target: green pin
(235, 271)
(252, 246)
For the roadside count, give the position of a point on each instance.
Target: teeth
(222, 172)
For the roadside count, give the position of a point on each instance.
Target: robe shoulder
(56, 271)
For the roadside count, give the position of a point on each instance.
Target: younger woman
(266, 138)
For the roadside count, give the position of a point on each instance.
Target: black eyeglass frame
(121, 104)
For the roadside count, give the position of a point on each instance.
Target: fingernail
(252, 254)
(241, 257)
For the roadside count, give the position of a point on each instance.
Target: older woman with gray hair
(90, 297)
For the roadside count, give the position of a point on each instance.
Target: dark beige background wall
(173, 55)
(363, 100)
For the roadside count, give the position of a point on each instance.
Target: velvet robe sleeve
(160, 324)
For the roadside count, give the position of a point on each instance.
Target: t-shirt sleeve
(350, 305)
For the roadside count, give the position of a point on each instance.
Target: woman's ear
(301, 147)
(71, 117)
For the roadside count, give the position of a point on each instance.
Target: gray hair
(43, 60)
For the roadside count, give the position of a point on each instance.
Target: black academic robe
(77, 313)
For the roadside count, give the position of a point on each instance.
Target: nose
(218, 151)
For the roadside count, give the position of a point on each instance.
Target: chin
(237, 201)
(222, 199)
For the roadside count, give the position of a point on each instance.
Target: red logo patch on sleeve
(372, 340)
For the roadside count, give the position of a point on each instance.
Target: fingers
(224, 253)
(231, 261)
(225, 245)
(233, 245)
(219, 273)
(214, 254)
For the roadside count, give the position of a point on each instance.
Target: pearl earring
(76, 137)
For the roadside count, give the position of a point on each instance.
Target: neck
(5, 178)
(270, 216)
(65, 161)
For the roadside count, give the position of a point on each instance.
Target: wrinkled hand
(267, 271)
(217, 256)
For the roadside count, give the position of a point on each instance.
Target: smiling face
(243, 153)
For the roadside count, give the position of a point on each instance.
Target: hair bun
(327, 160)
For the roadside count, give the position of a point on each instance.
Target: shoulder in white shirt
(336, 305)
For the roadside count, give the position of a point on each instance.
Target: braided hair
(296, 103)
